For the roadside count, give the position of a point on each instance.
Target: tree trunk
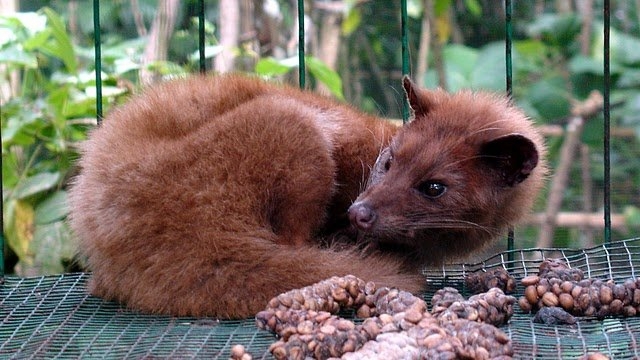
(158, 42)
(438, 60)
(585, 8)
(229, 23)
(138, 19)
(329, 42)
(425, 44)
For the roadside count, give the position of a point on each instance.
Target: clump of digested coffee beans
(556, 285)
(553, 316)
(492, 307)
(482, 281)
(556, 268)
(307, 325)
(479, 340)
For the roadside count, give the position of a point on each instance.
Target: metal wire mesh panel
(616, 337)
(53, 317)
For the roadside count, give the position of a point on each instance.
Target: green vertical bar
(301, 63)
(607, 117)
(2, 243)
(405, 55)
(508, 45)
(1, 223)
(1, 220)
(98, 59)
(203, 66)
(508, 8)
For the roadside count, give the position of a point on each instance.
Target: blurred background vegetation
(47, 89)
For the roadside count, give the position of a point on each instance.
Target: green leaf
(167, 68)
(474, 7)
(53, 208)
(18, 227)
(30, 21)
(10, 170)
(456, 80)
(209, 52)
(441, 6)
(623, 49)
(326, 76)
(549, 97)
(15, 55)
(58, 99)
(125, 65)
(580, 64)
(461, 58)
(629, 78)
(531, 49)
(107, 92)
(37, 40)
(490, 77)
(21, 129)
(271, 67)
(352, 21)
(52, 243)
(592, 135)
(61, 47)
(36, 184)
(7, 36)
(556, 29)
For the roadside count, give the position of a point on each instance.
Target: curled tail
(237, 281)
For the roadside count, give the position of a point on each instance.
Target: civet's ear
(420, 100)
(380, 168)
(512, 157)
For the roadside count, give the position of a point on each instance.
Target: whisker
(489, 126)
(463, 160)
(426, 221)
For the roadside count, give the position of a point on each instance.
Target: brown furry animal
(207, 196)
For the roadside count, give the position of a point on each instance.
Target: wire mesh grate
(53, 317)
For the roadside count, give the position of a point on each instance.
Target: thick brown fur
(207, 196)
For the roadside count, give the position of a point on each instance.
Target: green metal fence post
(607, 125)
(203, 66)
(405, 56)
(508, 9)
(98, 59)
(301, 37)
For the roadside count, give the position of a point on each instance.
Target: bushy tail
(239, 280)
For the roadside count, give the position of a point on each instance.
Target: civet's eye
(432, 189)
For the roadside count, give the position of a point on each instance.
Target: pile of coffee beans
(398, 325)
(481, 281)
(557, 285)
(491, 307)
(306, 322)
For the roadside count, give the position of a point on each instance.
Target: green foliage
(270, 67)
(39, 129)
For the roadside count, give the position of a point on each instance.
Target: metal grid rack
(54, 317)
